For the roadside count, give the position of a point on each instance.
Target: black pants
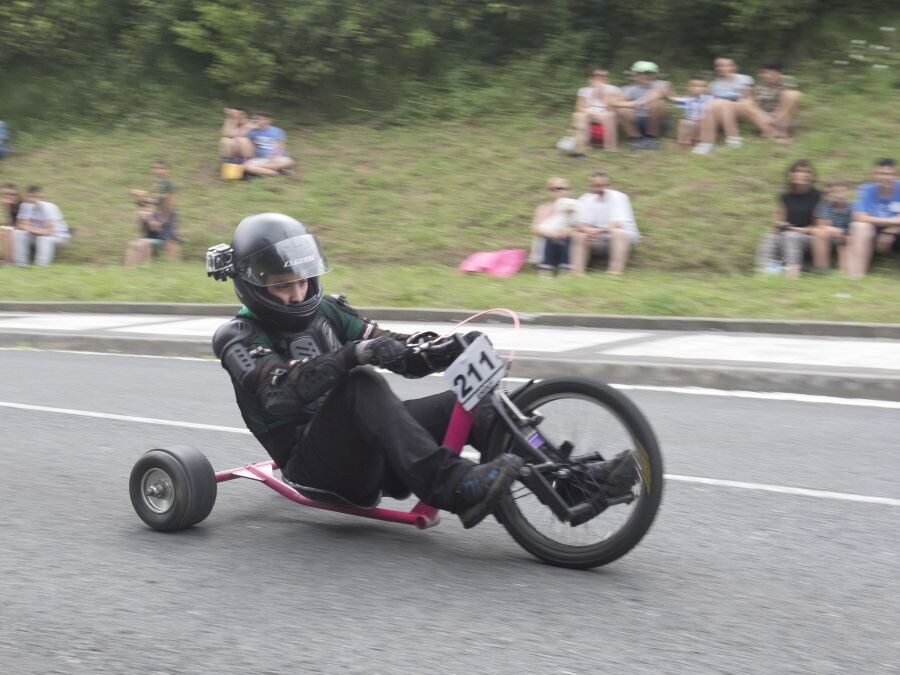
(363, 439)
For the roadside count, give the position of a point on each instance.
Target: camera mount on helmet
(220, 262)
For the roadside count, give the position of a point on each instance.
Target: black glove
(421, 364)
(382, 351)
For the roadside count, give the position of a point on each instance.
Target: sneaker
(481, 487)
(616, 476)
(702, 148)
(734, 141)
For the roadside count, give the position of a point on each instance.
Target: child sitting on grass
(694, 127)
(832, 225)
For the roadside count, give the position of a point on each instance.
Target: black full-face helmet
(270, 248)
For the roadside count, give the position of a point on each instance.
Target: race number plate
(475, 372)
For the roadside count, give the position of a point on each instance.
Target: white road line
(783, 489)
(209, 359)
(763, 487)
(765, 396)
(689, 391)
(124, 418)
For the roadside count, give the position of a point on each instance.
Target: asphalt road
(731, 579)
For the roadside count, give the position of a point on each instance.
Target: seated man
(11, 202)
(643, 106)
(876, 218)
(596, 105)
(605, 224)
(270, 157)
(772, 103)
(40, 225)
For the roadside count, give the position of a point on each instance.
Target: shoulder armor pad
(238, 329)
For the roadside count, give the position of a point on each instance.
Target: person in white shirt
(596, 105)
(39, 225)
(604, 224)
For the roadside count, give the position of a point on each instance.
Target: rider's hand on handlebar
(382, 351)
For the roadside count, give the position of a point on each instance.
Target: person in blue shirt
(876, 217)
(4, 140)
(270, 156)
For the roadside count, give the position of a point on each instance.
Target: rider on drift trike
(297, 359)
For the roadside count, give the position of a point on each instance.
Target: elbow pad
(229, 344)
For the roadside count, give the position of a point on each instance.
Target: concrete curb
(763, 326)
(850, 385)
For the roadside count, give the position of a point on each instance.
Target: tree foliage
(376, 53)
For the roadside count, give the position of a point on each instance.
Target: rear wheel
(172, 489)
(589, 420)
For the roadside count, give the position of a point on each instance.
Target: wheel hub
(157, 490)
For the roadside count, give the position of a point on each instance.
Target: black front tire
(617, 411)
(172, 489)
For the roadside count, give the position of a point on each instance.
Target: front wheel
(172, 489)
(588, 420)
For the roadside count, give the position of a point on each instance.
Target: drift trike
(555, 510)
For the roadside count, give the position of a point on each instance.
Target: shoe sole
(509, 471)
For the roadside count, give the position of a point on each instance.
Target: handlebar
(437, 344)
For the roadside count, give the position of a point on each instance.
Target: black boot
(615, 476)
(481, 487)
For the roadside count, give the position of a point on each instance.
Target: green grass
(397, 209)
(641, 292)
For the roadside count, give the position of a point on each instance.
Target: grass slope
(398, 208)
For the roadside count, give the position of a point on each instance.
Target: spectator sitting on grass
(696, 126)
(604, 224)
(11, 201)
(596, 105)
(832, 225)
(552, 223)
(270, 157)
(791, 236)
(154, 233)
(876, 218)
(234, 146)
(4, 140)
(644, 106)
(157, 216)
(40, 226)
(774, 100)
(729, 89)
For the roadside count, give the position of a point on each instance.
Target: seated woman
(784, 247)
(595, 105)
(552, 223)
(234, 146)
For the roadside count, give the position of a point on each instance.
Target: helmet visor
(297, 257)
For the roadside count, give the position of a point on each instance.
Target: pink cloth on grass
(502, 263)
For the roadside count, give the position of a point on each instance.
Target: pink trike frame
(421, 515)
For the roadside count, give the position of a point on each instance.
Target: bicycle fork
(531, 445)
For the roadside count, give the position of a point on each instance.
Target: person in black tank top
(784, 247)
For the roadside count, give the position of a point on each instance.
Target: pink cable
(496, 310)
